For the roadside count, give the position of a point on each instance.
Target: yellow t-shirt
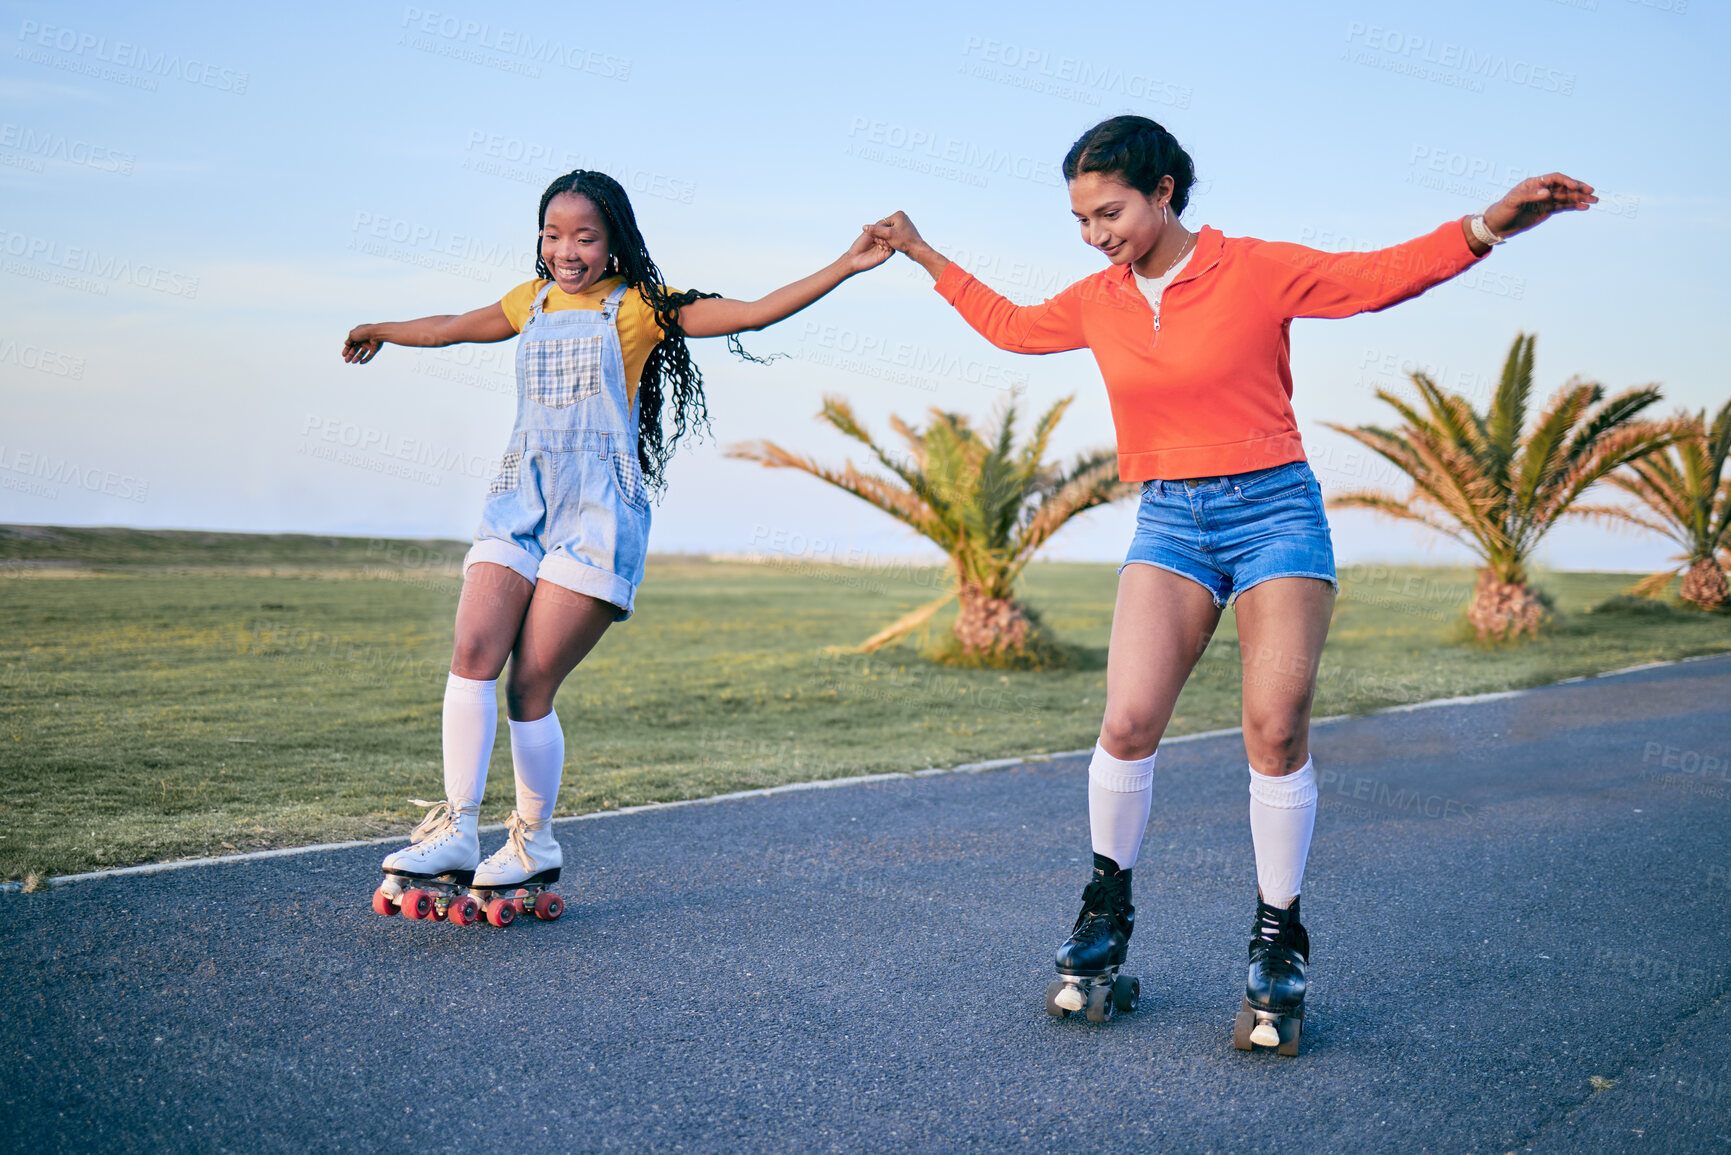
(638, 332)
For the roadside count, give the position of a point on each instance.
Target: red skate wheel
(464, 911)
(501, 912)
(549, 906)
(437, 913)
(382, 903)
(522, 901)
(416, 904)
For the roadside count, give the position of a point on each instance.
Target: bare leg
(489, 618)
(1282, 625)
(559, 630)
(1160, 626)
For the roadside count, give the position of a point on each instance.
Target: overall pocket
(630, 479)
(562, 372)
(509, 465)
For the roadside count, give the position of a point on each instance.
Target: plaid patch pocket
(563, 372)
(509, 466)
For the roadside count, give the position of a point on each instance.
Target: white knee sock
(1282, 816)
(1119, 794)
(470, 718)
(538, 755)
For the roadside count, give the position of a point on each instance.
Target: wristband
(1482, 231)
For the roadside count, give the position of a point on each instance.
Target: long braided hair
(669, 368)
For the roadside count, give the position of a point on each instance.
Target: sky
(201, 200)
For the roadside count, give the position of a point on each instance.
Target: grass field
(165, 694)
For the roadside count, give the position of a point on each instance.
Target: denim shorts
(1230, 533)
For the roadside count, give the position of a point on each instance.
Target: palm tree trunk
(1704, 584)
(988, 625)
(1504, 609)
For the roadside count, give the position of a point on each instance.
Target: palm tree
(986, 503)
(1688, 499)
(1480, 480)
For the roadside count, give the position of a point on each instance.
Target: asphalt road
(1520, 911)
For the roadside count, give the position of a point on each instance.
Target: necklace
(1173, 264)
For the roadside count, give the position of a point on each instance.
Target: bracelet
(1482, 231)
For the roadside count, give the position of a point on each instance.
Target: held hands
(866, 252)
(1535, 199)
(898, 232)
(360, 346)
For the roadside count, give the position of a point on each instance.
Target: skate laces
(1102, 906)
(440, 820)
(515, 843)
(1270, 939)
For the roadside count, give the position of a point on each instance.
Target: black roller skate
(1088, 962)
(1273, 1011)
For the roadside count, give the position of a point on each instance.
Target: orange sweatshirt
(1208, 391)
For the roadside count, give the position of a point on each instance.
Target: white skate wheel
(1265, 1034)
(1071, 998)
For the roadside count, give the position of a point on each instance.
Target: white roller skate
(516, 878)
(429, 878)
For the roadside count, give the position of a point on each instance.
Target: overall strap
(538, 305)
(610, 307)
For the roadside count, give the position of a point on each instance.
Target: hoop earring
(1162, 214)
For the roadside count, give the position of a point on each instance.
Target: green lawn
(171, 694)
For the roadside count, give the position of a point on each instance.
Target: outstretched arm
(1051, 327)
(1303, 282)
(721, 316)
(482, 325)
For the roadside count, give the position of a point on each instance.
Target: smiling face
(574, 242)
(1116, 219)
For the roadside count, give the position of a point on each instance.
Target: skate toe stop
(1265, 1035)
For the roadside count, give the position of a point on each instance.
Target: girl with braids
(1190, 332)
(602, 371)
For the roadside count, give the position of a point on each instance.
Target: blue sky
(200, 202)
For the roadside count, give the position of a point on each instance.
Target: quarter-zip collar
(1210, 243)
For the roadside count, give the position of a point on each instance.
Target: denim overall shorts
(569, 504)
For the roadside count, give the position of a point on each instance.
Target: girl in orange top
(1190, 333)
